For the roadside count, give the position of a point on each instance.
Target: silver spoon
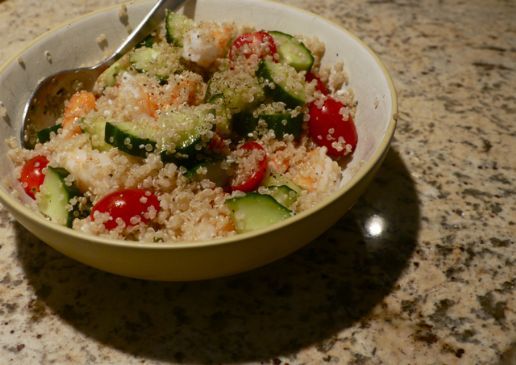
(45, 103)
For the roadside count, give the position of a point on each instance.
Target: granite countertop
(421, 270)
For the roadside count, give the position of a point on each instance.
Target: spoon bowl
(46, 103)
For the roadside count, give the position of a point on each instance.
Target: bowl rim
(365, 168)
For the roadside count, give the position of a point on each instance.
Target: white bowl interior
(75, 44)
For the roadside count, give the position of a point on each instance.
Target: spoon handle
(148, 24)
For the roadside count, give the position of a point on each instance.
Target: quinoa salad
(204, 130)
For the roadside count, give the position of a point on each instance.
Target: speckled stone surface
(421, 271)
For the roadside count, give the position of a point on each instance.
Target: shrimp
(279, 163)
(133, 98)
(80, 104)
(228, 227)
(317, 172)
(148, 105)
(184, 91)
(207, 42)
(92, 170)
(306, 182)
(279, 159)
(187, 88)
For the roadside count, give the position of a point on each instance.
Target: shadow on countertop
(296, 302)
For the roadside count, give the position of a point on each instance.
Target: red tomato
(259, 43)
(258, 172)
(327, 127)
(32, 175)
(126, 204)
(320, 86)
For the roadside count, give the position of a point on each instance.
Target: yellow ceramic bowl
(74, 44)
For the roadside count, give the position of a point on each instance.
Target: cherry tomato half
(320, 86)
(327, 127)
(126, 204)
(259, 43)
(32, 175)
(255, 178)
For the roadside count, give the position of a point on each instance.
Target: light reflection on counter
(375, 226)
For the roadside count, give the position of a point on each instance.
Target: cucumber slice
(211, 170)
(292, 51)
(132, 138)
(185, 129)
(79, 212)
(178, 135)
(222, 115)
(96, 128)
(160, 61)
(54, 196)
(143, 59)
(283, 124)
(240, 90)
(108, 77)
(44, 134)
(283, 83)
(284, 195)
(255, 211)
(244, 124)
(146, 42)
(280, 123)
(275, 179)
(176, 27)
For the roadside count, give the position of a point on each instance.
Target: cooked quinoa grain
(185, 133)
